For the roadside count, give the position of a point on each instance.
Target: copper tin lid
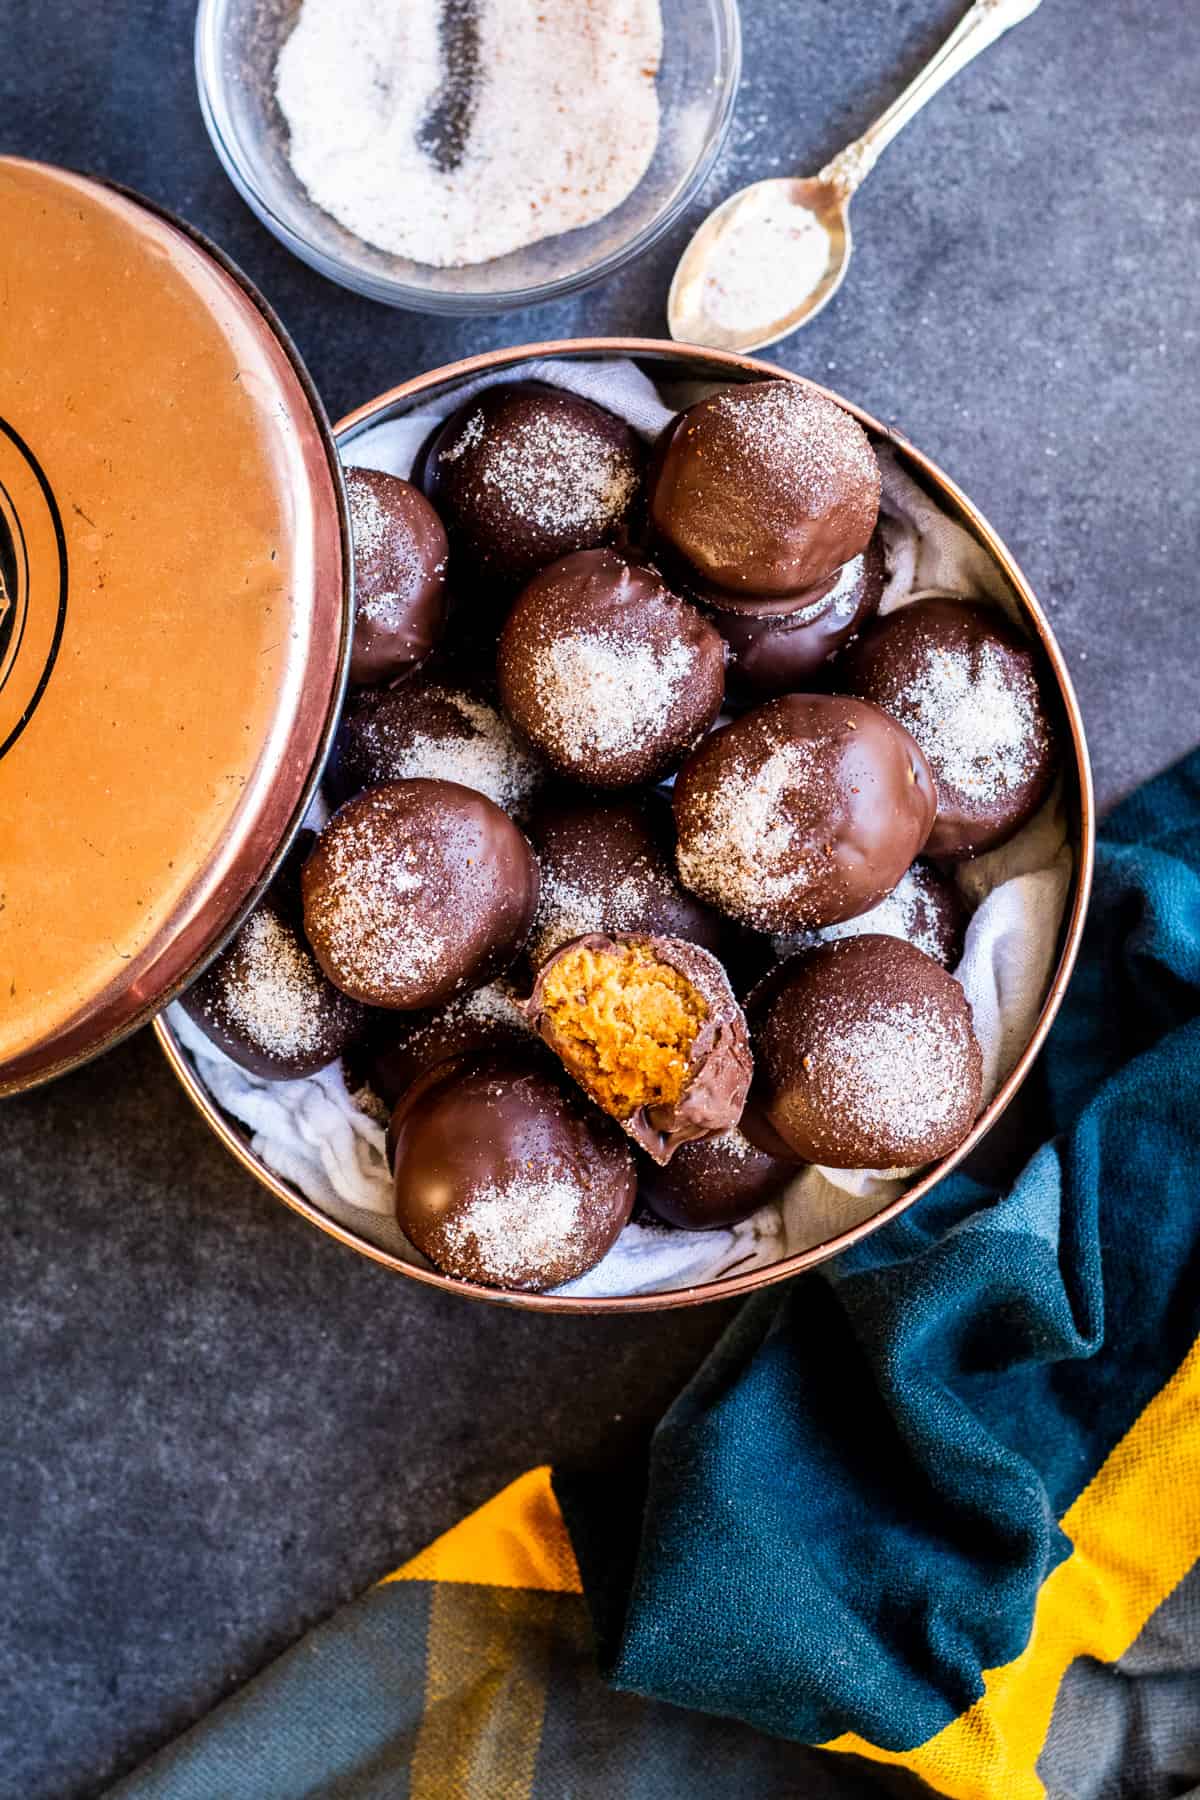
(174, 610)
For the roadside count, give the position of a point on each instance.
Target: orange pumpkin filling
(626, 1023)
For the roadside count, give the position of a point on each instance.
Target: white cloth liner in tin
(311, 1133)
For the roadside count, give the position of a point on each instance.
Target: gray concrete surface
(214, 1424)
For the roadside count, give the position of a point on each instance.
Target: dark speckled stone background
(215, 1425)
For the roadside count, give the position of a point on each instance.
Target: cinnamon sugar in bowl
(238, 46)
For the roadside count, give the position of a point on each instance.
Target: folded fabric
(469, 1675)
(939, 1508)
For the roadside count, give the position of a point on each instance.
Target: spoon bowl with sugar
(771, 256)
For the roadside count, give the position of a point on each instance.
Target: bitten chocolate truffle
(608, 865)
(786, 655)
(400, 554)
(265, 1001)
(504, 1175)
(965, 683)
(608, 674)
(925, 908)
(865, 1055)
(766, 489)
(803, 812)
(525, 473)
(436, 729)
(650, 1029)
(713, 1182)
(416, 890)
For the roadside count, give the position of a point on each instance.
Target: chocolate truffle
(785, 655)
(925, 908)
(865, 1055)
(505, 1176)
(965, 683)
(525, 473)
(399, 1047)
(437, 729)
(264, 999)
(713, 1182)
(764, 489)
(607, 865)
(803, 812)
(400, 552)
(416, 890)
(650, 1029)
(606, 672)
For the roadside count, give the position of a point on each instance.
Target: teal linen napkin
(857, 1505)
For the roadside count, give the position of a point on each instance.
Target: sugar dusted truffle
(505, 1175)
(609, 675)
(416, 890)
(803, 812)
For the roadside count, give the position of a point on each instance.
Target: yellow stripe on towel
(517, 1540)
(1136, 1533)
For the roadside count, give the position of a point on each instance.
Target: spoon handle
(980, 26)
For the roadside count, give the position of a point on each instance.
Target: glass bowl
(237, 43)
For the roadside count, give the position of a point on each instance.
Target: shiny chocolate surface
(803, 812)
(505, 1175)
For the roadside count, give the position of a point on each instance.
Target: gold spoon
(772, 255)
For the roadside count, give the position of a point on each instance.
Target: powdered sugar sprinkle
(276, 996)
(908, 912)
(570, 908)
(977, 720)
(784, 425)
(530, 1222)
(896, 1070)
(484, 754)
(743, 849)
(601, 694)
(364, 912)
(552, 475)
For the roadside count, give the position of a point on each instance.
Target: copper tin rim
(693, 361)
(247, 864)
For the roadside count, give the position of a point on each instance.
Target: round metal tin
(175, 610)
(689, 362)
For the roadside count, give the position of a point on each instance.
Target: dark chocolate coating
(285, 887)
(719, 1065)
(865, 1055)
(525, 473)
(803, 812)
(843, 584)
(966, 684)
(400, 554)
(264, 999)
(757, 1128)
(925, 908)
(504, 1174)
(433, 727)
(608, 865)
(786, 655)
(713, 599)
(609, 675)
(765, 489)
(416, 890)
(713, 1182)
(399, 1047)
